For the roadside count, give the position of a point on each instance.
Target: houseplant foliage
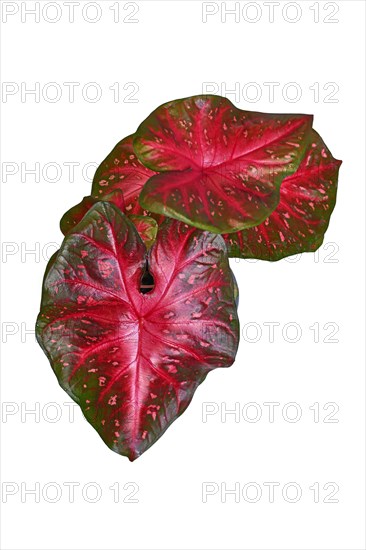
(139, 303)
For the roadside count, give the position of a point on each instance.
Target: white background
(170, 53)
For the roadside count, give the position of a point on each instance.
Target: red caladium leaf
(133, 361)
(298, 224)
(122, 170)
(220, 167)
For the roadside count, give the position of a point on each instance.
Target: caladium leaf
(75, 214)
(122, 170)
(298, 224)
(133, 361)
(220, 167)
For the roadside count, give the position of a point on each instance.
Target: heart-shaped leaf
(220, 167)
(133, 361)
(298, 224)
(122, 170)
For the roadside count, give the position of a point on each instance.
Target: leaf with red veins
(220, 168)
(299, 222)
(133, 361)
(122, 170)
